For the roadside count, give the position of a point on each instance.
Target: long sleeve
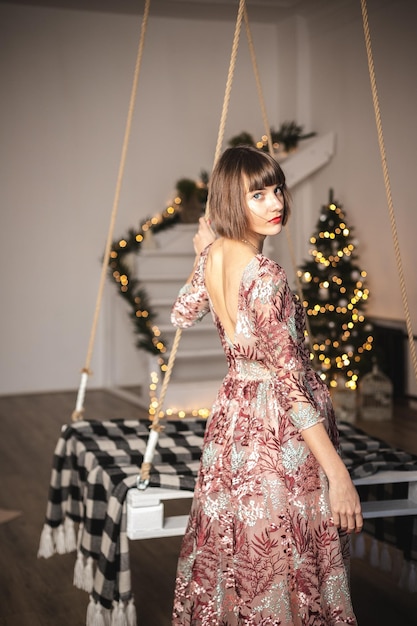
(278, 343)
(192, 303)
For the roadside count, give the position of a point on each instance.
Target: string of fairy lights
(337, 293)
(149, 335)
(202, 413)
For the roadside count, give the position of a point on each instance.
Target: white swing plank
(173, 527)
(145, 513)
(146, 520)
(390, 508)
(388, 477)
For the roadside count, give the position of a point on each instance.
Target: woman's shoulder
(268, 268)
(262, 274)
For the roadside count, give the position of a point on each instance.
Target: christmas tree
(335, 297)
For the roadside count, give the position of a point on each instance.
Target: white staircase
(163, 266)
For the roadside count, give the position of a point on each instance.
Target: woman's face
(266, 210)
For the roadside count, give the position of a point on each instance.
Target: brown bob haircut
(239, 170)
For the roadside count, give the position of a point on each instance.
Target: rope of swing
(267, 130)
(156, 427)
(86, 371)
(388, 184)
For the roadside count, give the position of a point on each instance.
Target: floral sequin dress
(260, 548)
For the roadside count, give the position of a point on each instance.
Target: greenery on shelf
(285, 139)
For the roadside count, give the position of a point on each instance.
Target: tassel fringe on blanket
(122, 614)
(59, 540)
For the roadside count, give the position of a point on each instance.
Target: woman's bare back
(226, 262)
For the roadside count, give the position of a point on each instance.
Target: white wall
(66, 79)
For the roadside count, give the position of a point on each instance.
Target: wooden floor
(39, 592)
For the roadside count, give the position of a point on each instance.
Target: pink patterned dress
(260, 548)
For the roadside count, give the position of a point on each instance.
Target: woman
(267, 538)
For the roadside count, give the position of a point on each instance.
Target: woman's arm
(192, 302)
(203, 237)
(276, 327)
(344, 500)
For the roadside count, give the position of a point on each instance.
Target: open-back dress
(260, 548)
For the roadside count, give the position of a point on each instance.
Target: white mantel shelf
(308, 159)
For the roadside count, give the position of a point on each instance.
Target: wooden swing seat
(145, 513)
(145, 508)
(146, 519)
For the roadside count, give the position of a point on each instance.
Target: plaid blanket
(364, 456)
(94, 465)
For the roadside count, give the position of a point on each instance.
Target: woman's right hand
(345, 505)
(204, 236)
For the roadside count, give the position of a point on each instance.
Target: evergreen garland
(129, 287)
